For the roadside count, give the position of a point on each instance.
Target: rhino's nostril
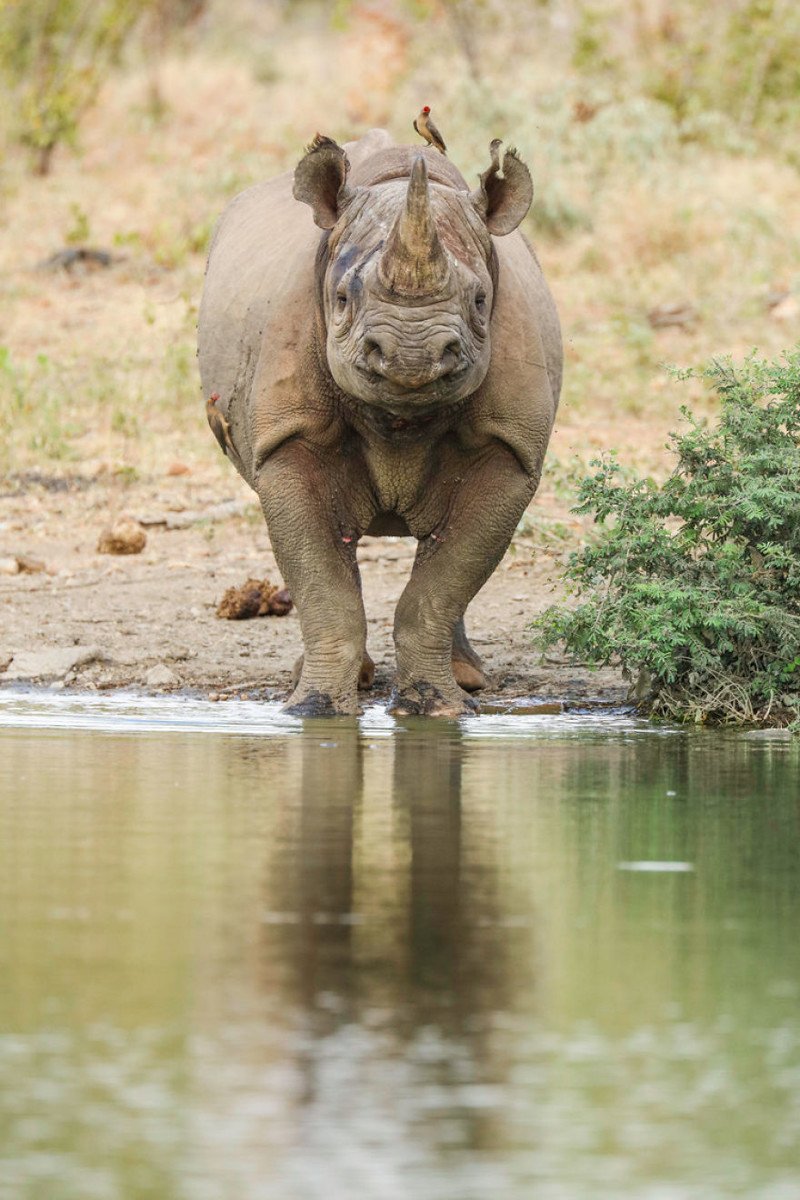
(373, 355)
(451, 356)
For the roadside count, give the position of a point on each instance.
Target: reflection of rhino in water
(398, 375)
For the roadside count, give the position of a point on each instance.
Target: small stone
(178, 468)
(9, 566)
(786, 309)
(213, 697)
(28, 565)
(125, 536)
(161, 677)
(55, 663)
(681, 316)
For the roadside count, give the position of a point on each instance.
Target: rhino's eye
(341, 301)
(480, 302)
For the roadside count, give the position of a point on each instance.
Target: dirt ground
(96, 621)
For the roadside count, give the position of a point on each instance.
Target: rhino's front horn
(413, 262)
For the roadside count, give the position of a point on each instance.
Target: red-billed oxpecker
(426, 129)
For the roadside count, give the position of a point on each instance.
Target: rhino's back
(525, 303)
(260, 271)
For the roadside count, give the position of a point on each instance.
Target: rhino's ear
(503, 199)
(320, 179)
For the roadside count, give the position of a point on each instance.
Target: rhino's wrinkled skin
(398, 373)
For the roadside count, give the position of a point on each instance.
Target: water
(519, 958)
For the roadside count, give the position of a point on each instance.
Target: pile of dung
(255, 598)
(125, 536)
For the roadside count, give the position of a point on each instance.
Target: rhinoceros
(396, 374)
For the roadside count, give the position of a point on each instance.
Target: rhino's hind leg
(467, 666)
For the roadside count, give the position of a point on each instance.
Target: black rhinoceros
(397, 374)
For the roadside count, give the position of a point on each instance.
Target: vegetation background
(662, 137)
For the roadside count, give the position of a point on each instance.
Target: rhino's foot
(320, 704)
(468, 676)
(425, 700)
(366, 676)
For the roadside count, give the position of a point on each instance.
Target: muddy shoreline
(148, 621)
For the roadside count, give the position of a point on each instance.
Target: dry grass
(629, 215)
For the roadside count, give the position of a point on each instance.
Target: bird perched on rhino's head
(426, 129)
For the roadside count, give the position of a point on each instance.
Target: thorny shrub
(694, 585)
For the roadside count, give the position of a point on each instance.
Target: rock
(255, 598)
(776, 295)
(161, 677)
(29, 565)
(215, 512)
(9, 566)
(178, 468)
(786, 309)
(583, 112)
(53, 663)
(680, 316)
(81, 258)
(125, 536)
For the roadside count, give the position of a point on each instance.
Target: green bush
(54, 55)
(693, 586)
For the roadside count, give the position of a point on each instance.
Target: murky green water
(244, 960)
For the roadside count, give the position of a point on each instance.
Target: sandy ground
(91, 620)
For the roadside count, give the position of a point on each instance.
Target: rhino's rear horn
(413, 262)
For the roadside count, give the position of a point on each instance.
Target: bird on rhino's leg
(320, 569)
(450, 567)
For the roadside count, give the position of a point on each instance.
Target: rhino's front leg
(452, 564)
(315, 549)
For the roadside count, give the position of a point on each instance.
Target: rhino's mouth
(388, 392)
